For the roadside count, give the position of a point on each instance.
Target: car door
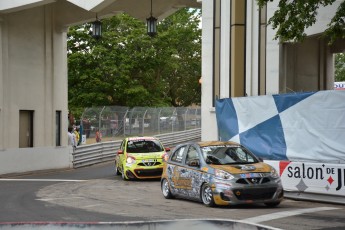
(174, 170)
(122, 156)
(191, 173)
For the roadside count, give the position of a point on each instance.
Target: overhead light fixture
(151, 23)
(97, 28)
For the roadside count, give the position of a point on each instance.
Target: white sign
(83, 139)
(305, 177)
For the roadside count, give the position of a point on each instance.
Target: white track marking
(91, 206)
(284, 214)
(60, 198)
(43, 180)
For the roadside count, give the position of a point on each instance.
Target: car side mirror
(120, 152)
(194, 163)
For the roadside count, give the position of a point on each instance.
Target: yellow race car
(140, 158)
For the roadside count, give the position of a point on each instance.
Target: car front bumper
(233, 193)
(143, 173)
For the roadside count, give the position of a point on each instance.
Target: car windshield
(144, 146)
(227, 154)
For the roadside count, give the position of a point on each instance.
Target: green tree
(292, 18)
(339, 67)
(126, 67)
(180, 41)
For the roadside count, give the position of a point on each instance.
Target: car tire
(272, 204)
(117, 172)
(207, 195)
(123, 175)
(166, 189)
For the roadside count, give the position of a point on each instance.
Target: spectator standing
(86, 127)
(98, 136)
(71, 138)
(79, 131)
(77, 136)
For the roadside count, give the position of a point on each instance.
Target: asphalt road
(95, 194)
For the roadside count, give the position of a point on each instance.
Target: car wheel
(207, 195)
(272, 204)
(166, 189)
(123, 175)
(117, 172)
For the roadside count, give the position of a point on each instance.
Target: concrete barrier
(142, 225)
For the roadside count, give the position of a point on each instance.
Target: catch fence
(116, 122)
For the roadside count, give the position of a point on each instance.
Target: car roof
(215, 143)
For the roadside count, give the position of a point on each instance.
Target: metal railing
(86, 155)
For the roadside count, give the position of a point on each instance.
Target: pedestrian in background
(98, 136)
(77, 135)
(79, 131)
(71, 138)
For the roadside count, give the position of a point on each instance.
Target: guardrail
(86, 155)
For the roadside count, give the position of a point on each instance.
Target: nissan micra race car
(220, 173)
(140, 158)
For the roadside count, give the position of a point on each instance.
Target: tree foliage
(293, 16)
(126, 67)
(339, 67)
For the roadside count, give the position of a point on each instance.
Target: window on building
(58, 128)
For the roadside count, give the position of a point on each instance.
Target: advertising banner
(339, 85)
(301, 127)
(316, 178)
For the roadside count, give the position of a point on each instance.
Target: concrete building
(33, 76)
(239, 58)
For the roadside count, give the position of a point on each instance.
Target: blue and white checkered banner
(296, 127)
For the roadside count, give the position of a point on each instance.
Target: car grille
(155, 163)
(254, 180)
(148, 172)
(254, 194)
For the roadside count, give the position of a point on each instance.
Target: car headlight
(130, 160)
(223, 175)
(274, 173)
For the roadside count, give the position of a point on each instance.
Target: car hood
(244, 168)
(140, 156)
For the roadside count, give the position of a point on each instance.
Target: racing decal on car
(205, 169)
(248, 167)
(149, 162)
(181, 179)
(252, 175)
(240, 169)
(186, 182)
(140, 138)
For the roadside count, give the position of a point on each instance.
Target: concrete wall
(33, 77)
(33, 159)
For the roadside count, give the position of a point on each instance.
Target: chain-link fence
(116, 122)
